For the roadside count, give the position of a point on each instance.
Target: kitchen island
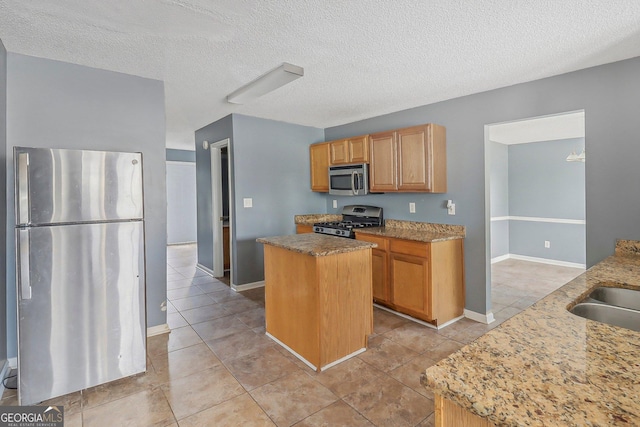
(318, 296)
(547, 366)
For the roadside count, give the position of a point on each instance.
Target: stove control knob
(339, 232)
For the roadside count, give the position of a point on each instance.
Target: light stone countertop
(310, 219)
(316, 244)
(416, 231)
(549, 367)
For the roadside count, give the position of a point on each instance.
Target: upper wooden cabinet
(411, 160)
(383, 170)
(351, 150)
(319, 158)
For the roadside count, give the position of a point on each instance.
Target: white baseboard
(158, 330)
(539, 260)
(290, 350)
(413, 319)
(205, 269)
(547, 261)
(479, 317)
(247, 286)
(500, 258)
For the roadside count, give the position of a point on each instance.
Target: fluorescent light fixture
(274, 79)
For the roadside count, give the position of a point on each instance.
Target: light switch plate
(412, 207)
(335, 204)
(248, 202)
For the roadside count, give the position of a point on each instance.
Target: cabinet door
(382, 166)
(304, 228)
(410, 285)
(414, 159)
(379, 273)
(359, 149)
(319, 157)
(339, 152)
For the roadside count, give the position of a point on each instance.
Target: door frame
(215, 149)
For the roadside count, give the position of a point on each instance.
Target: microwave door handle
(354, 176)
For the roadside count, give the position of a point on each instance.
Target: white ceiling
(361, 58)
(548, 128)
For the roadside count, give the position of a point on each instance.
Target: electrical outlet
(547, 244)
(335, 204)
(451, 210)
(412, 207)
(248, 202)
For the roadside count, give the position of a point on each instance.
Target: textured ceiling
(361, 58)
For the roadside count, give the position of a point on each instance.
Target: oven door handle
(354, 177)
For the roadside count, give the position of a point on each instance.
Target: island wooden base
(450, 414)
(318, 306)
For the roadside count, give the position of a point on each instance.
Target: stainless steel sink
(610, 314)
(627, 298)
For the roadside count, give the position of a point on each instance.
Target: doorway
(221, 207)
(535, 201)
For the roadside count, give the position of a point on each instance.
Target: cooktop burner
(353, 216)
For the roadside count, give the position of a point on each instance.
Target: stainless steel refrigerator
(79, 270)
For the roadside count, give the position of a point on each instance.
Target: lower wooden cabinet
(379, 266)
(423, 280)
(410, 284)
(304, 228)
(450, 414)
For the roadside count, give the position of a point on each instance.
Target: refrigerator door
(70, 186)
(81, 307)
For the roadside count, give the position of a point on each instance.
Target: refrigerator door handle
(23, 189)
(23, 279)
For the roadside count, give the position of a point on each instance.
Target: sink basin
(610, 314)
(627, 298)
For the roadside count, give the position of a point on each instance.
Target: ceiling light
(266, 83)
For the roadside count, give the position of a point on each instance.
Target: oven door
(351, 180)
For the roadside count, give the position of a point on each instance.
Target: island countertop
(417, 231)
(310, 219)
(316, 244)
(547, 366)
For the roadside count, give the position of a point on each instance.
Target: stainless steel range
(353, 217)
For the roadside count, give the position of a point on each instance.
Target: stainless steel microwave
(349, 180)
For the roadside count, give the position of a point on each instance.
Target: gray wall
(3, 200)
(180, 155)
(499, 179)
(543, 184)
(181, 202)
(270, 164)
(609, 95)
(181, 196)
(213, 132)
(61, 105)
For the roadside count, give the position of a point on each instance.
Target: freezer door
(81, 307)
(69, 186)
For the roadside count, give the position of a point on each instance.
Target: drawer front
(408, 247)
(382, 242)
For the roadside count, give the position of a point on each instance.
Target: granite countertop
(546, 366)
(417, 231)
(316, 244)
(310, 219)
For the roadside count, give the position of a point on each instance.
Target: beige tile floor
(217, 368)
